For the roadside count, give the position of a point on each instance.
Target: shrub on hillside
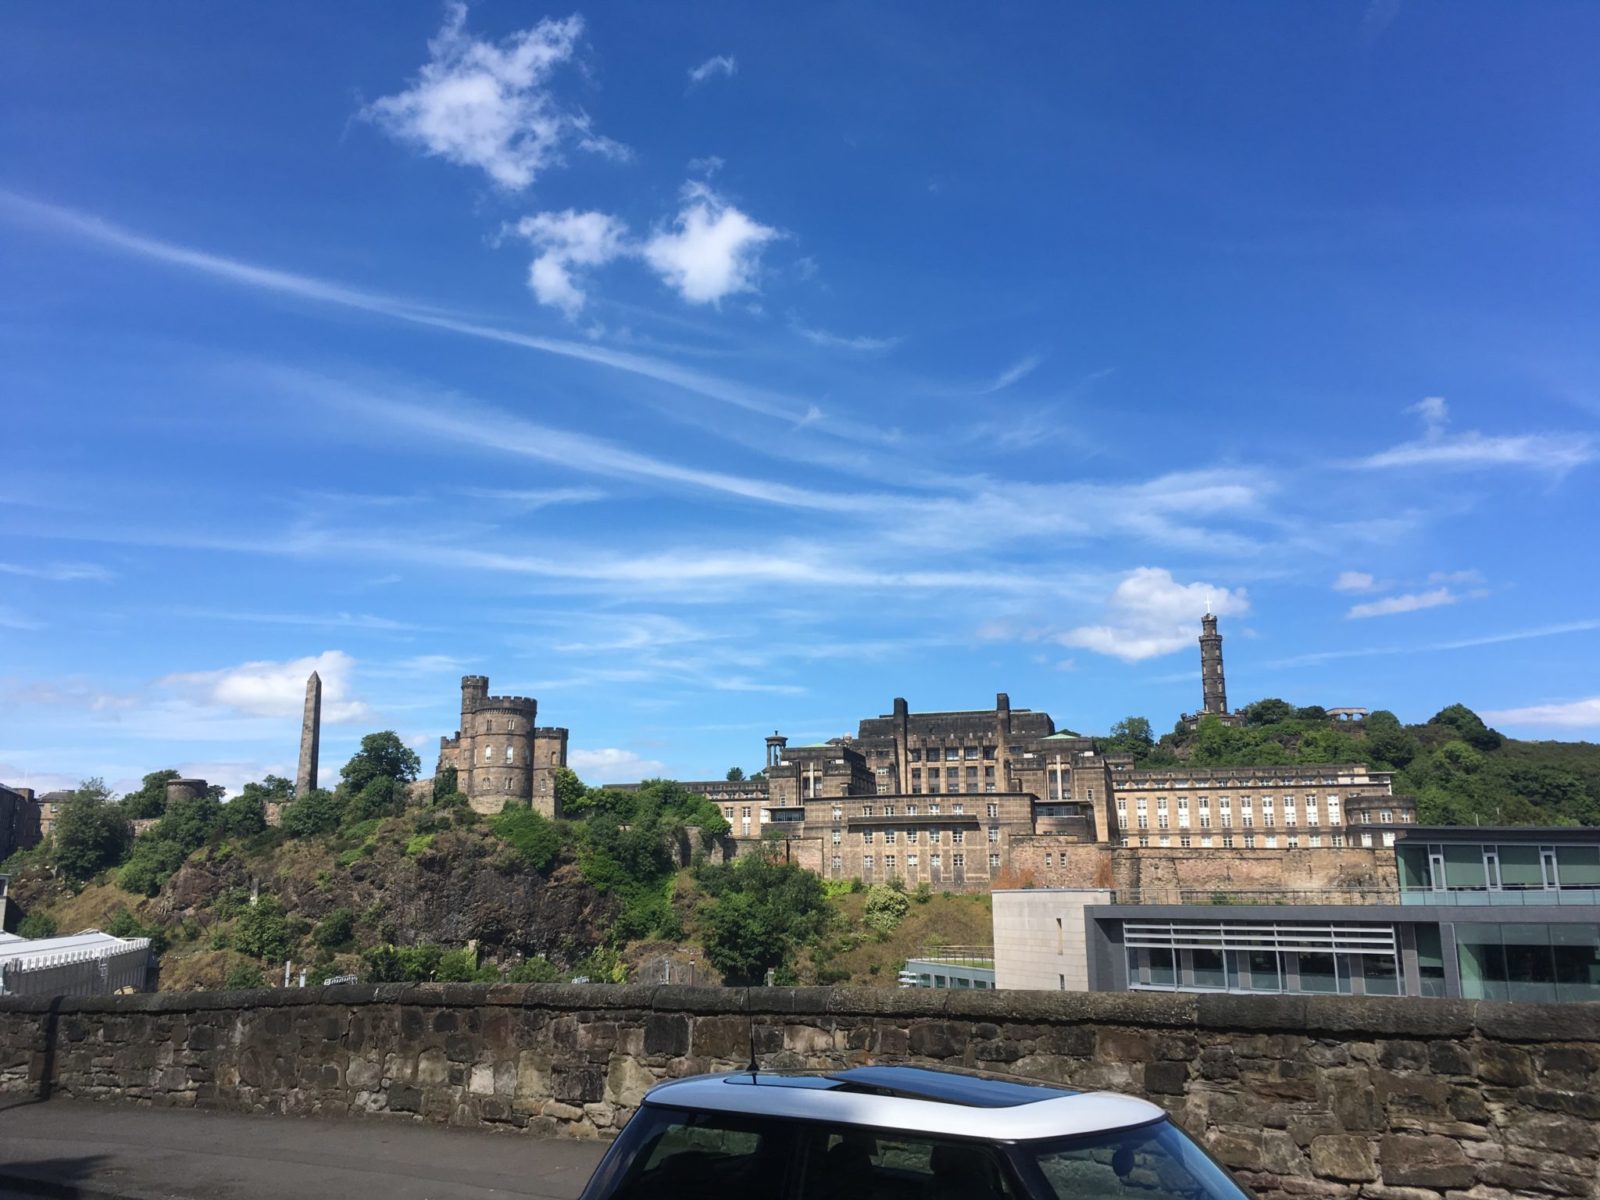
(535, 838)
(885, 908)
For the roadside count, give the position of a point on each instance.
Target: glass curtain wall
(1529, 962)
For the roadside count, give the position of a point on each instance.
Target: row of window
(891, 863)
(951, 753)
(1249, 841)
(1225, 802)
(926, 837)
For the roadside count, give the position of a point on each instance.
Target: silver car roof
(912, 1100)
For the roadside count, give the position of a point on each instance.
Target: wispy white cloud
(1316, 658)
(1469, 576)
(530, 499)
(10, 618)
(612, 765)
(839, 341)
(1574, 714)
(341, 620)
(1015, 373)
(1408, 602)
(1553, 453)
(276, 689)
(712, 250)
(717, 64)
(1150, 614)
(92, 229)
(1355, 581)
(58, 572)
(569, 242)
(478, 104)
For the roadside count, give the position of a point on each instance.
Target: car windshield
(1143, 1163)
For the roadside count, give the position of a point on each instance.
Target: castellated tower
(501, 755)
(1214, 688)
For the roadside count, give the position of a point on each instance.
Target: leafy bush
(924, 893)
(461, 966)
(444, 784)
(154, 860)
(386, 963)
(124, 924)
(336, 929)
(36, 925)
(536, 839)
(419, 844)
(537, 969)
(318, 811)
(761, 911)
(90, 834)
(381, 797)
(245, 975)
(262, 930)
(885, 908)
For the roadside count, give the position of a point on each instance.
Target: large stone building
(965, 799)
(501, 754)
(19, 820)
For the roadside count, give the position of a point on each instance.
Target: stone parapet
(1301, 1096)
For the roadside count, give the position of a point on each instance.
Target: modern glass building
(1479, 914)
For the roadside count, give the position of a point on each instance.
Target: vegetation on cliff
(1461, 771)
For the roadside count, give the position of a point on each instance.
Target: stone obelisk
(305, 779)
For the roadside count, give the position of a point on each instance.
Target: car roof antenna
(754, 1066)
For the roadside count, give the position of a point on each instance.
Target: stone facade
(1302, 1097)
(19, 820)
(501, 755)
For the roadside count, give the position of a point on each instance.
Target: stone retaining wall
(1390, 1099)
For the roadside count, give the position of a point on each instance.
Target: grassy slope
(948, 919)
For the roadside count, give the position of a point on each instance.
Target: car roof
(913, 1100)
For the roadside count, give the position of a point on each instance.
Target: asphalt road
(66, 1149)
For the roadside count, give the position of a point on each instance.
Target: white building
(1040, 939)
(90, 963)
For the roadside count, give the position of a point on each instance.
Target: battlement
(553, 731)
(513, 703)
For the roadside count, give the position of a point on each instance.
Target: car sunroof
(920, 1084)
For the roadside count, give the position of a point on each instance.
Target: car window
(1154, 1162)
(686, 1156)
(851, 1164)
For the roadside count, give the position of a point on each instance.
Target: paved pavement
(103, 1151)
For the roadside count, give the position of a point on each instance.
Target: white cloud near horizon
(711, 251)
(1555, 453)
(1408, 602)
(276, 689)
(1150, 614)
(718, 64)
(612, 765)
(1575, 714)
(478, 104)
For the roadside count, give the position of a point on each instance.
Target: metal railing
(957, 956)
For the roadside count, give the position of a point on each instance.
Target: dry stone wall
(1389, 1099)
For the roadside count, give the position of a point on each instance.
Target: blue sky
(705, 370)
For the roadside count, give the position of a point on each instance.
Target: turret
(1213, 686)
(474, 689)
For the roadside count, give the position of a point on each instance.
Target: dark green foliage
(335, 930)
(245, 975)
(262, 930)
(36, 925)
(924, 892)
(91, 833)
(537, 969)
(444, 784)
(382, 796)
(1268, 712)
(1468, 726)
(461, 966)
(385, 963)
(1131, 735)
(536, 839)
(735, 774)
(569, 790)
(124, 924)
(382, 755)
(151, 798)
(760, 912)
(886, 907)
(154, 860)
(315, 812)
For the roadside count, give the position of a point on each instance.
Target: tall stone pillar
(305, 779)
(1214, 687)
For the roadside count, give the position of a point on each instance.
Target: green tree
(569, 791)
(151, 798)
(1469, 727)
(262, 930)
(1271, 711)
(1311, 712)
(90, 834)
(759, 914)
(336, 929)
(382, 755)
(536, 969)
(444, 783)
(315, 812)
(383, 796)
(1386, 740)
(735, 774)
(154, 860)
(536, 839)
(1132, 735)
